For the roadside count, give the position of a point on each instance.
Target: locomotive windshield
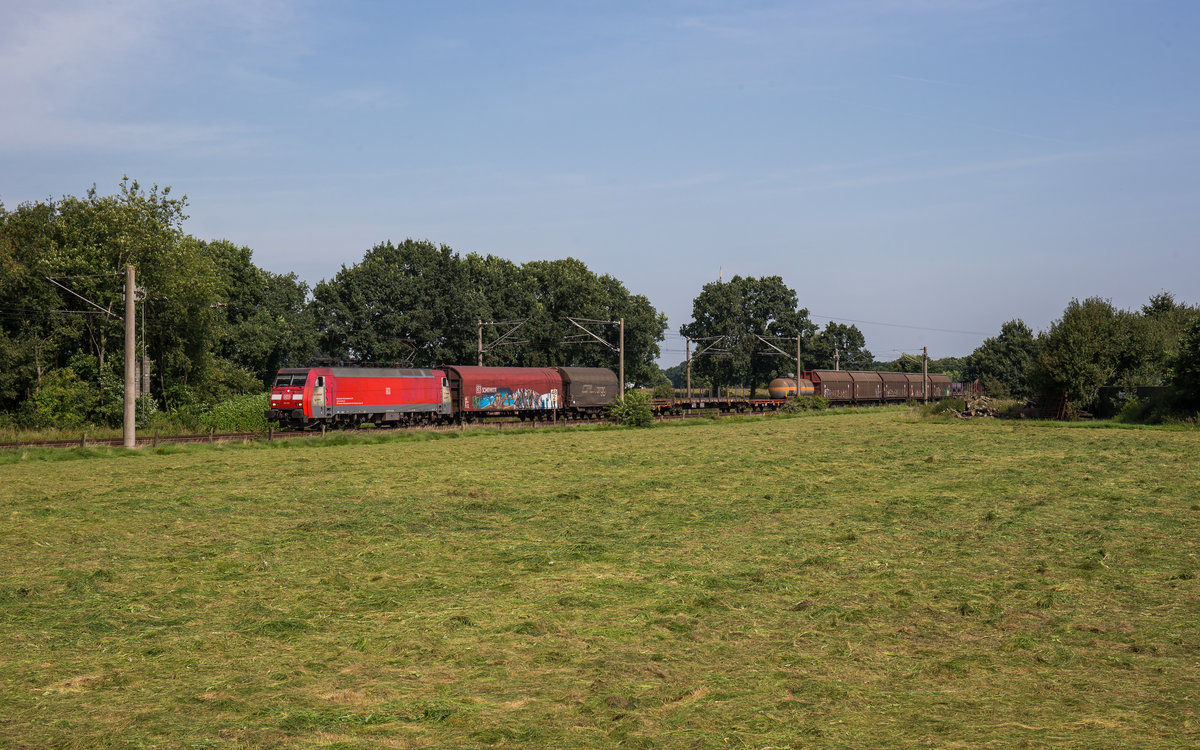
(295, 380)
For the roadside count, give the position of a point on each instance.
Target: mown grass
(858, 580)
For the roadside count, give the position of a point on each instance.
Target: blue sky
(933, 164)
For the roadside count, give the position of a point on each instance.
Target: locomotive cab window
(321, 382)
(294, 380)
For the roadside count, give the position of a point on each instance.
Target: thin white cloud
(71, 68)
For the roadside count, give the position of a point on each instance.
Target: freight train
(350, 396)
(310, 397)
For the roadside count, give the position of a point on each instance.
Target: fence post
(83, 440)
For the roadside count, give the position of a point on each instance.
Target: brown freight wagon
(588, 387)
(916, 388)
(833, 385)
(939, 385)
(895, 386)
(867, 386)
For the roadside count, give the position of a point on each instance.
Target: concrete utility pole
(481, 343)
(925, 374)
(837, 360)
(129, 432)
(622, 375)
(688, 358)
(799, 371)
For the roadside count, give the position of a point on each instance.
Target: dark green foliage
(215, 325)
(1185, 374)
(1080, 351)
(634, 410)
(1001, 364)
(1095, 344)
(266, 323)
(419, 303)
(405, 304)
(741, 310)
(240, 414)
(804, 403)
(838, 344)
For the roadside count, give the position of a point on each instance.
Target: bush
(943, 406)
(799, 404)
(634, 410)
(63, 400)
(239, 414)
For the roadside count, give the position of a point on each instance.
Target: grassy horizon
(851, 579)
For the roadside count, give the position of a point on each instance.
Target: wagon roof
(864, 376)
(833, 376)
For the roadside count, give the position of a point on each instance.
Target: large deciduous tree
(742, 310)
(422, 303)
(214, 324)
(1001, 364)
(407, 303)
(86, 243)
(1081, 351)
(265, 321)
(841, 345)
(1095, 344)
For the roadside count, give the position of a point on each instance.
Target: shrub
(63, 400)
(943, 406)
(799, 404)
(634, 410)
(239, 414)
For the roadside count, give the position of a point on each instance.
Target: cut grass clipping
(858, 580)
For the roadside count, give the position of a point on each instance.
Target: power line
(897, 325)
(88, 276)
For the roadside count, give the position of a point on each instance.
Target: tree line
(217, 325)
(1095, 345)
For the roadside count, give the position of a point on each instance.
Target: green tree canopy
(422, 303)
(1185, 375)
(1095, 344)
(741, 310)
(212, 320)
(1081, 352)
(839, 344)
(1001, 364)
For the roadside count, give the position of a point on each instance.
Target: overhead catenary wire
(839, 319)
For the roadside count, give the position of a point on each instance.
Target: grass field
(830, 580)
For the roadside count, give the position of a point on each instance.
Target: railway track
(151, 441)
